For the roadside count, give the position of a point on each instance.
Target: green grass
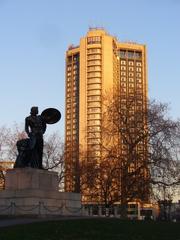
(93, 229)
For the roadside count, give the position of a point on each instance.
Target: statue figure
(30, 150)
(35, 127)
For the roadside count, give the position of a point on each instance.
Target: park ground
(92, 229)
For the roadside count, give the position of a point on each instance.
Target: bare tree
(99, 182)
(14, 134)
(4, 131)
(137, 144)
(53, 153)
(2, 177)
(4, 153)
(53, 156)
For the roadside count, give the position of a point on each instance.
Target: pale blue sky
(34, 35)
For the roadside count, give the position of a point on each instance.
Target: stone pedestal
(31, 191)
(31, 178)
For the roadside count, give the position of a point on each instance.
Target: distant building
(175, 211)
(99, 63)
(4, 165)
(169, 210)
(142, 211)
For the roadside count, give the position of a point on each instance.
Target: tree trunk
(124, 210)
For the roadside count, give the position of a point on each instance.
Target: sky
(35, 34)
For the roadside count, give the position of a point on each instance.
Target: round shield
(51, 115)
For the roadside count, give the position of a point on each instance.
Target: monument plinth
(30, 191)
(30, 178)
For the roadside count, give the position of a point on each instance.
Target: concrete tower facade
(97, 66)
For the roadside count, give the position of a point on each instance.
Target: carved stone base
(31, 191)
(31, 178)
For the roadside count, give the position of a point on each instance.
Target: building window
(131, 74)
(68, 133)
(94, 110)
(130, 54)
(131, 69)
(69, 105)
(139, 107)
(94, 50)
(139, 96)
(131, 80)
(138, 69)
(123, 73)
(131, 85)
(94, 98)
(74, 66)
(123, 101)
(94, 141)
(94, 74)
(94, 128)
(123, 90)
(139, 102)
(68, 116)
(122, 53)
(94, 86)
(139, 85)
(75, 58)
(123, 67)
(94, 40)
(123, 84)
(68, 127)
(74, 137)
(69, 68)
(94, 135)
(123, 96)
(94, 92)
(94, 116)
(94, 122)
(131, 63)
(92, 57)
(94, 104)
(123, 106)
(131, 90)
(138, 64)
(139, 91)
(138, 80)
(94, 62)
(138, 54)
(123, 79)
(123, 62)
(94, 80)
(94, 68)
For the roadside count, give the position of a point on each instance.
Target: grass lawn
(93, 229)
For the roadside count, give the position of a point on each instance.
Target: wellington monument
(30, 189)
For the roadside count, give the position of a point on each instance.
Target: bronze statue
(30, 150)
(35, 127)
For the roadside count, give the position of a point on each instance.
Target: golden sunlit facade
(99, 63)
(4, 166)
